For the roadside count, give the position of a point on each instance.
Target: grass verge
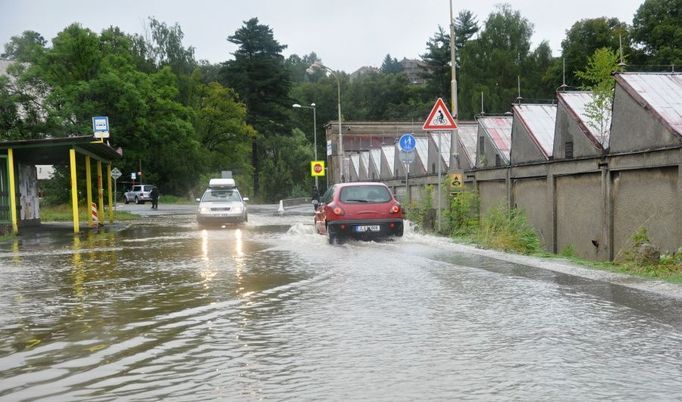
(63, 213)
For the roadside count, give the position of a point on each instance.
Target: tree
(436, 70)
(261, 79)
(391, 65)
(466, 27)
(584, 38)
(599, 78)
(26, 48)
(657, 27)
(220, 123)
(298, 68)
(492, 63)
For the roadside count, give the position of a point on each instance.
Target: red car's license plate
(368, 228)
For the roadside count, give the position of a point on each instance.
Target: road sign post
(407, 158)
(115, 174)
(439, 119)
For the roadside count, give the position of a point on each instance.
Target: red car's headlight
(395, 209)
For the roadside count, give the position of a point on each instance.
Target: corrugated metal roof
(467, 134)
(375, 158)
(499, 130)
(445, 141)
(578, 102)
(389, 154)
(663, 91)
(540, 121)
(422, 148)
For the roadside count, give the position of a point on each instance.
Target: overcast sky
(346, 34)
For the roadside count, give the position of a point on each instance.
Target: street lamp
(319, 66)
(312, 106)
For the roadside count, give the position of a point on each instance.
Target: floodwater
(162, 310)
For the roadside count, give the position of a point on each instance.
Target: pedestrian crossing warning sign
(439, 118)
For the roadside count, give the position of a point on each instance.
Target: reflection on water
(263, 311)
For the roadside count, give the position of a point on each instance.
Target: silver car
(139, 193)
(220, 205)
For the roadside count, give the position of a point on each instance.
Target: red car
(360, 210)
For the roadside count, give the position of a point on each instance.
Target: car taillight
(338, 211)
(395, 209)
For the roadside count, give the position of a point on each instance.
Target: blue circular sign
(407, 142)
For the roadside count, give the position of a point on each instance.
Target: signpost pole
(407, 185)
(439, 180)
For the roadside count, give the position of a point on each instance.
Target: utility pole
(453, 83)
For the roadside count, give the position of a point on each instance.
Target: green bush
(420, 212)
(462, 217)
(508, 230)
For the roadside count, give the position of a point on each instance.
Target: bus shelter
(66, 151)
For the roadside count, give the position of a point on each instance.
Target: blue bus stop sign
(407, 142)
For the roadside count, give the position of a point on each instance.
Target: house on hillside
(577, 135)
(414, 70)
(532, 137)
(494, 141)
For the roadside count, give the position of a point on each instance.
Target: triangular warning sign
(439, 118)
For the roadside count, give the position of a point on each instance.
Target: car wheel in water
(126, 200)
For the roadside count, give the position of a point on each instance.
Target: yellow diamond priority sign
(317, 168)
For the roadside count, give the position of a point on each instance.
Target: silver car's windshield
(221, 195)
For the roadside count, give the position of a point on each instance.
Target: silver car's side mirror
(246, 199)
(198, 199)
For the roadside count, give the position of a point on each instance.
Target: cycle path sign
(440, 118)
(407, 142)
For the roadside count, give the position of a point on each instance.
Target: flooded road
(162, 310)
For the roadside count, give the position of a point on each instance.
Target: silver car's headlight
(238, 208)
(204, 210)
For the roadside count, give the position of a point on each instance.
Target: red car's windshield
(369, 193)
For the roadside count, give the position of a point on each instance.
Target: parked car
(139, 193)
(363, 210)
(222, 203)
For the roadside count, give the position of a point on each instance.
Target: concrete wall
(493, 194)
(523, 148)
(579, 215)
(647, 198)
(487, 158)
(530, 195)
(568, 130)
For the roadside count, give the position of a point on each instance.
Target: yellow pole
(12, 191)
(88, 187)
(111, 195)
(100, 194)
(74, 191)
